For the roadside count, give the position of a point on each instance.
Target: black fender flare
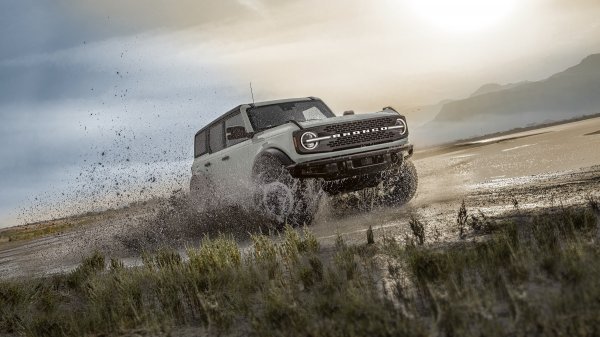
(283, 158)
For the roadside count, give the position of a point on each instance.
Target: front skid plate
(347, 166)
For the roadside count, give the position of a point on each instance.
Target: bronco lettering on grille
(357, 132)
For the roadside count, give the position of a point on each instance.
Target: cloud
(31, 27)
(350, 44)
(83, 120)
(150, 14)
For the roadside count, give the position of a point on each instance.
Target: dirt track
(538, 168)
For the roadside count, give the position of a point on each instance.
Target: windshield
(269, 116)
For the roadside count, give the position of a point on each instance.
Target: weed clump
(370, 238)
(479, 222)
(593, 203)
(89, 266)
(116, 265)
(461, 220)
(418, 229)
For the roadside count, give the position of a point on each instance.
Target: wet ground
(538, 168)
(558, 165)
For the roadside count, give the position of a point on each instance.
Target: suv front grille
(364, 139)
(354, 134)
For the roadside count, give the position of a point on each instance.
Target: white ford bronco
(283, 154)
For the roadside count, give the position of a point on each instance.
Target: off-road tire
(282, 198)
(399, 185)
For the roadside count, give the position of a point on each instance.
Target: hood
(290, 127)
(348, 118)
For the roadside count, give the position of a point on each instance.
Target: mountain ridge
(577, 88)
(493, 107)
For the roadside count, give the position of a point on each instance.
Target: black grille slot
(359, 125)
(367, 138)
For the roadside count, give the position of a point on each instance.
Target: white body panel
(232, 178)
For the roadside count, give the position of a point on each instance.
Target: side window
(200, 145)
(216, 137)
(235, 120)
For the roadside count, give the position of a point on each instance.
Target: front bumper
(352, 165)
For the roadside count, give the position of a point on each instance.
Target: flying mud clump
(179, 220)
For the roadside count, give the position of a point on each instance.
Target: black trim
(293, 121)
(223, 141)
(353, 164)
(277, 153)
(206, 145)
(222, 117)
(252, 105)
(390, 108)
(258, 130)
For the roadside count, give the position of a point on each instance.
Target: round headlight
(401, 125)
(305, 140)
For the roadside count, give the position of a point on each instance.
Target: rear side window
(216, 137)
(235, 120)
(200, 145)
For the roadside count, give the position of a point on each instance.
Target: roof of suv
(257, 104)
(279, 101)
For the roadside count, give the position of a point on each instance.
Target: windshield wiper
(266, 127)
(295, 122)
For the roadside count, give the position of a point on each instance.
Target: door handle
(207, 164)
(225, 158)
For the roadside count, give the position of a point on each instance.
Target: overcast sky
(99, 101)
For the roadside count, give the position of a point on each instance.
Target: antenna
(251, 92)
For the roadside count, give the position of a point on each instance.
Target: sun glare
(463, 15)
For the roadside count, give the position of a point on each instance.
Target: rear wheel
(282, 198)
(399, 185)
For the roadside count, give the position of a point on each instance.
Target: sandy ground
(538, 168)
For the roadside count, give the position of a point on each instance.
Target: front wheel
(399, 185)
(280, 197)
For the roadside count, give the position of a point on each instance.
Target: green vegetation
(33, 231)
(532, 275)
(51, 227)
(40, 229)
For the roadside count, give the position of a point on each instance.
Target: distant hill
(493, 87)
(493, 107)
(422, 115)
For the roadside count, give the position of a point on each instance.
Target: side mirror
(237, 132)
(389, 108)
